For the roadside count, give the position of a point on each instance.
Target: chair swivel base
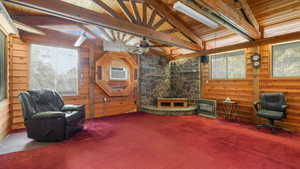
(273, 128)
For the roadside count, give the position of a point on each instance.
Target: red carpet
(142, 141)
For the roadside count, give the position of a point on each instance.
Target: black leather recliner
(272, 106)
(47, 118)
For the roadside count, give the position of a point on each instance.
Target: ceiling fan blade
(156, 46)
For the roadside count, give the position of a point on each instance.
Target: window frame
(5, 63)
(79, 72)
(211, 67)
(272, 61)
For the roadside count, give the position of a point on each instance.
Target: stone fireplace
(169, 84)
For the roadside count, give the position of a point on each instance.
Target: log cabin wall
(19, 76)
(289, 86)
(93, 98)
(246, 91)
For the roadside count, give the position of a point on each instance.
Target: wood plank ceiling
(159, 15)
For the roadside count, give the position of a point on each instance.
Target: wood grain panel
(246, 91)
(240, 90)
(289, 86)
(19, 81)
(18, 75)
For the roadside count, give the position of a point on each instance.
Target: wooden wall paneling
(240, 90)
(289, 86)
(91, 80)
(105, 105)
(246, 91)
(19, 77)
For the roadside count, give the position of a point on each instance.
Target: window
(286, 59)
(229, 65)
(54, 68)
(2, 67)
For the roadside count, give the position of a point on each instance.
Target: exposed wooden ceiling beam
(108, 9)
(230, 17)
(129, 39)
(87, 30)
(44, 20)
(159, 23)
(164, 10)
(124, 36)
(55, 37)
(145, 18)
(65, 10)
(24, 27)
(112, 33)
(136, 12)
(118, 35)
(104, 35)
(52, 20)
(157, 52)
(152, 17)
(108, 33)
(172, 30)
(245, 6)
(272, 40)
(126, 11)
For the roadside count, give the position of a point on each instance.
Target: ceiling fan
(143, 46)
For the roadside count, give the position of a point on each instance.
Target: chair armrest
(284, 107)
(48, 115)
(72, 107)
(256, 103)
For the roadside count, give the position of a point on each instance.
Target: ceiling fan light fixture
(81, 39)
(183, 8)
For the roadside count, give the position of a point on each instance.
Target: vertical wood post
(91, 79)
(256, 81)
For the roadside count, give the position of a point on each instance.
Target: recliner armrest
(256, 103)
(284, 107)
(72, 107)
(48, 114)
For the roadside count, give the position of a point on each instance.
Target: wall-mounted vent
(118, 73)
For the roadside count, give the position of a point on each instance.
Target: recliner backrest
(46, 100)
(27, 105)
(273, 101)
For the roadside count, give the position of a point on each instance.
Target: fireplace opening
(165, 104)
(178, 104)
(172, 102)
